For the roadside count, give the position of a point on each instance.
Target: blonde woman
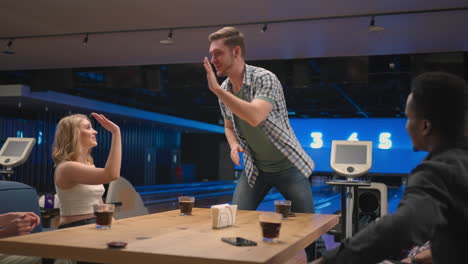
(78, 182)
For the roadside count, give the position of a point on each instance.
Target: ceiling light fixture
(264, 28)
(373, 27)
(9, 50)
(169, 40)
(85, 40)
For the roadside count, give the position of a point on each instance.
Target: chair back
(129, 203)
(19, 197)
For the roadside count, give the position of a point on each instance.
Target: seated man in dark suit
(434, 206)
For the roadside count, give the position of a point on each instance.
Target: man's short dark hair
(232, 37)
(441, 98)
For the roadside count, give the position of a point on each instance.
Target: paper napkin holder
(223, 215)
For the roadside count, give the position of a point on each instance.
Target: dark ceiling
(50, 33)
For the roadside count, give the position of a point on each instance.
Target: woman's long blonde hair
(67, 145)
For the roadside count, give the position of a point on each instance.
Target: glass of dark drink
(283, 207)
(271, 225)
(186, 204)
(104, 214)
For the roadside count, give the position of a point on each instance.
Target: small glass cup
(283, 207)
(104, 214)
(186, 204)
(271, 225)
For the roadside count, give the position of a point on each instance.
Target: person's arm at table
(423, 257)
(18, 223)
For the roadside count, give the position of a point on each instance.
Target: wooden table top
(168, 237)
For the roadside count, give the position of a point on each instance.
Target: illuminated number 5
(317, 142)
(384, 140)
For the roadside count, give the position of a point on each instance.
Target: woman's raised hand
(106, 123)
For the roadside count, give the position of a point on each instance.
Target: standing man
(434, 206)
(256, 123)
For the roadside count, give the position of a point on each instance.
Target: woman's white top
(79, 199)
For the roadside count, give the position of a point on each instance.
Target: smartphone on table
(239, 241)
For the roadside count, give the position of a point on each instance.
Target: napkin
(223, 215)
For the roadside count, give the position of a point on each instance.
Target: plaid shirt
(260, 83)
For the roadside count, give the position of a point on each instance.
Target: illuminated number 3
(317, 140)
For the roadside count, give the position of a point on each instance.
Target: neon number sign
(384, 140)
(317, 141)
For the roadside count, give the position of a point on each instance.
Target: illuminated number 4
(353, 137)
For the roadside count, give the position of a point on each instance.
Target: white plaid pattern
(259, 82)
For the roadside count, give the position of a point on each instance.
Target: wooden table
(170, 238)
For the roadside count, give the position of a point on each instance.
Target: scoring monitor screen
(347, 154)
(15, 148)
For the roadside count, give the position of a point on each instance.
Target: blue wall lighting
(39, 138)
(19, 133)
(392, 148)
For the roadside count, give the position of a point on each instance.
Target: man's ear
(237, 51)
(426, 127)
